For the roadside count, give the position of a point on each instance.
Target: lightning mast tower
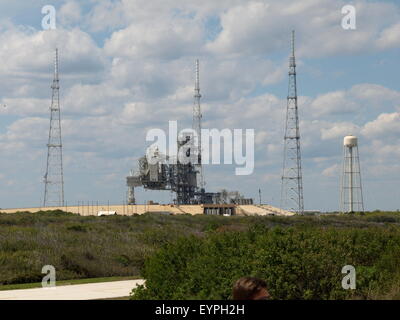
(197, 116)
(351, 197)
(292, 185)
(54, 178)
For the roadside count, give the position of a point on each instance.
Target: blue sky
(127, 67)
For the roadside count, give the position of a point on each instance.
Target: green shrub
(124, 260)
(297, 263)
(77, 228)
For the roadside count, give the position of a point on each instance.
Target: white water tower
(351, 197)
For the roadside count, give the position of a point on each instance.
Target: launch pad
(181, 173)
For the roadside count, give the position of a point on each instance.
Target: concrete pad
(91, 291)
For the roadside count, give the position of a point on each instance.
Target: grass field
(118, 246)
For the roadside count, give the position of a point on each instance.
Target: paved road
(102, 290)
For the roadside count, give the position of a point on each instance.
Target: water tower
(351, 198)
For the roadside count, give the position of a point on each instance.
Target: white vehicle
(107, 213)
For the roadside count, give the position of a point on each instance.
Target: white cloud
(106, 14)
(158, 38)
(255, 27)
(70, 13)
(390, 37)
(365, 96)
(23, 137)
(27, 52)
(332, 171)
(240, 26)
(337, 130)
(92, 99)
(333, 102)
(386, 125)
(26, 106)
(374, 93)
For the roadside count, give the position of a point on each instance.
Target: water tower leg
(351, 179)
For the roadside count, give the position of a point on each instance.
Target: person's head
(249, 288)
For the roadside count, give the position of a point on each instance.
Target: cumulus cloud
(246, 28)
(333, 102)
(25, 106)
(166, 39)
(24, 136)
(70, 13)
(241, 26)
(390, 37)
(386, 125)
(374, 93)
(372, 99)
(249, 27)
(336, 130)
(78, 52)
(92, 99)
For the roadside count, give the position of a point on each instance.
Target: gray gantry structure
(292, 185)
(54, 177)
(183, 173)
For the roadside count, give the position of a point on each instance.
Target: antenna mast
(197, 116)
(292, 185)
(54, 177)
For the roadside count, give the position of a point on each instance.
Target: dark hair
(247, 287)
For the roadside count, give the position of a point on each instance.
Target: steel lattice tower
(197, 116)
(292, 185)
(54, 178)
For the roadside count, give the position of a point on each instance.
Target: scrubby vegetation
(83, 247)
(303, 261)
(297, 263)
(198, 257)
